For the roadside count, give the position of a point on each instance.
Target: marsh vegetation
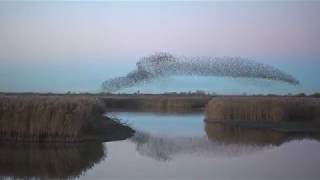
(273, 109)
(54, 118)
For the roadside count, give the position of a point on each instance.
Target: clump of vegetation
(157, 103)
(317, 95)
(50, 118)
(267, 109)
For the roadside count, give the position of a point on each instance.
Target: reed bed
(158, 104)
(263, 109)
(37, 118)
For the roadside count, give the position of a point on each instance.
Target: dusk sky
(75, 46)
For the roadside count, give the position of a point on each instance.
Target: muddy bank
(57, 118)
(294, 114)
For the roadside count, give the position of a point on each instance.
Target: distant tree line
(188, 93)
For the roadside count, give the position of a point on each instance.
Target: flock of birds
(160, 65)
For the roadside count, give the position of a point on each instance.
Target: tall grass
(159, 104)
(267, 109)
(40, 118)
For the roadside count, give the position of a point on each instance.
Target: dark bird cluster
(165, 64)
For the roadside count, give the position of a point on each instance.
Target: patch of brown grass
(39, 118)
(267, 109)
(159, 104)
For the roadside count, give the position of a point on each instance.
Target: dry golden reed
(47, 117)
(267, 109)
(159, 104)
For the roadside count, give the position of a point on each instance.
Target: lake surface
(170, 145)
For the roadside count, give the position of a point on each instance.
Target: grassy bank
(264, 109)
(54, 118)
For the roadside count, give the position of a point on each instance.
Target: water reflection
(220, 141)
(187, 146)
(43, 161)
(221, 133)
(232, 135)
(165, 148)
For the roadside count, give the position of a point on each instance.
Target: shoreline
(79, 118)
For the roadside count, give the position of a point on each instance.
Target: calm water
(170, 146)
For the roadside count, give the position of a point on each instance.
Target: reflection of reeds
(226, 134)
(46, 161)
(47, 117)
(273, 109)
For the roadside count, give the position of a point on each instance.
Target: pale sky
(105, 33)
(198, 28)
